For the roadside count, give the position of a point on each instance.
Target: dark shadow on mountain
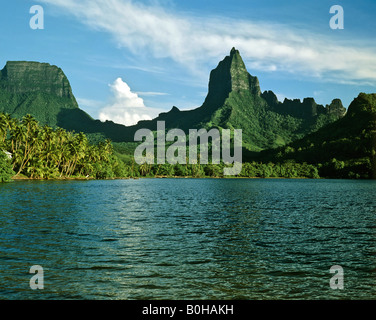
(79, 121)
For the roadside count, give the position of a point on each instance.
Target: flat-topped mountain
(34, 77)
(39, 89)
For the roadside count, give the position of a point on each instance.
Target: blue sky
(130, 60)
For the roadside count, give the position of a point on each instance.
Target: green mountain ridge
(345, 148)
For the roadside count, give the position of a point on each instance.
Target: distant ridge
(345, 148)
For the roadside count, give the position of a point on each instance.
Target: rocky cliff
(20, 77)
(229, 76)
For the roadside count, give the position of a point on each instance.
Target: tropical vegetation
(41, 152)
(37, 151)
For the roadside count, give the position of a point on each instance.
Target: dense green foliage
(249, 170)
(42, 152)
(6, 172)
(288, 169)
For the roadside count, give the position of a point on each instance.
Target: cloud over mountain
(126, 107)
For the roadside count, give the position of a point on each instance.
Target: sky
(130, 60)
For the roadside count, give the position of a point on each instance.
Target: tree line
(249, 170)
(41, 152)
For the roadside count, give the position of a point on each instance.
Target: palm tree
(60, 139)
(79, 146)
(12, 125)
(30, 123)
(42, 152)
(3, 127)
(18, 137)
(48, 145)
(30, 138)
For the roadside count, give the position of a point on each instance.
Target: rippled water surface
(188, 238)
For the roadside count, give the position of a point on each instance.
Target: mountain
(36, 88)
(43, 90)
(345, 148)
(234, 101)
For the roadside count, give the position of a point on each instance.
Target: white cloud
(193, 41)
(126, 106)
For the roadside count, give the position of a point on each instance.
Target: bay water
(188, 239)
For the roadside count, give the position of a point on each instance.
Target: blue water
(188, 238)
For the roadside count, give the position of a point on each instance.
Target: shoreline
(24, 178)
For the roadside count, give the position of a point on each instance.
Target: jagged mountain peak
(229, 76)
(240, 77)
(233, 51)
